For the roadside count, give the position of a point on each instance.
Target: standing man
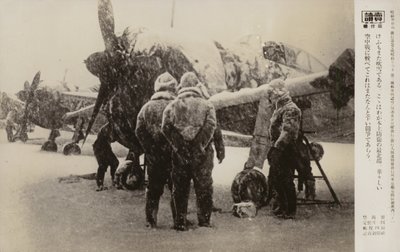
(188, 124)
(156, 147)
(284, 132)
(104, 155)
(10, 124)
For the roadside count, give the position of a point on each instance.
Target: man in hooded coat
(188, 124)
(156, 147)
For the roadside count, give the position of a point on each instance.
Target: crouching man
(156, 147)
(104, 155)
(283, 132)
(188, 124)
(249, 192)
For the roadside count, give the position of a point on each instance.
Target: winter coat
(189, 119)
(149, 119)
(285, 123)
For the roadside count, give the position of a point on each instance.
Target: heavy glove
(219, 144)
(220, 156)
(274, 156)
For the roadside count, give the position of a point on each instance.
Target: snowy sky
(54, 35)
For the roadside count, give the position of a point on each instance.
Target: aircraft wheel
(24, 137)
(49, 146)
(71, 149)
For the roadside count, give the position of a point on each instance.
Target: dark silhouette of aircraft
(130, 63)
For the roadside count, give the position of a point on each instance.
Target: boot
(117, 182)
(151, 213)
(310, 190)
(180, 222)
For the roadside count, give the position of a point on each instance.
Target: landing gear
(49, 146)
(24, 137)
(71, 149)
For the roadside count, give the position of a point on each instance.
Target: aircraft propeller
(107, 26)
(29, 96)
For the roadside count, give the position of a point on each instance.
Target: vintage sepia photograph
(177, 125)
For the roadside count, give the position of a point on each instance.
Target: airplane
(45, 104)
(131, 62)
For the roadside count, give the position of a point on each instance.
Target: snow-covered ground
(38, 213)
(338, 162)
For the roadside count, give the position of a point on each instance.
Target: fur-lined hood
(165, 82)
(190, 113)
(190, 92)
(163, 95)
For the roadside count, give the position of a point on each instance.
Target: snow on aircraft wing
(237, 111)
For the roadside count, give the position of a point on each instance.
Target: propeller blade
(35, 82)
(33, 87)
(101, 98)
(106, 21)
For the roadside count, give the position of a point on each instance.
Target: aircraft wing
(81, 105)
(299, 86)
(84, 95)
(77, 100)
(245, 101)
(83, 112)
(237, 111)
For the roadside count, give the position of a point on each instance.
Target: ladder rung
(317, 177)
